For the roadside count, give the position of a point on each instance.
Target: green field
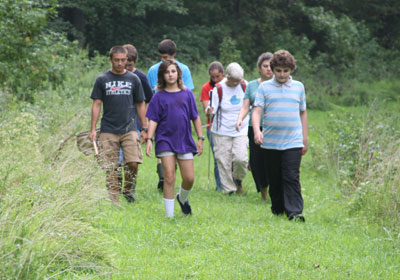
(56, 221)
(238, 237)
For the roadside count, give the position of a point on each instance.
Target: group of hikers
(267, 114)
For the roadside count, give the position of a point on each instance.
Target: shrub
(228, 52)
(364, 149)
(31, 56)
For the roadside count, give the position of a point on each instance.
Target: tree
(31, 56)
(101, 24)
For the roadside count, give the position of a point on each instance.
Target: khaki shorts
(110, 144)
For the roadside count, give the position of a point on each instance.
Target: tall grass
(376, 179)
(360, 148)
(47, 204)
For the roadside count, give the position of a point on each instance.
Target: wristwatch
(145, 129)
(201, 138)
(148, 138)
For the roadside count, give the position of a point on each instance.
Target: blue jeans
(216, 172)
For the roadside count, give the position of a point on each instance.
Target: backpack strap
(218, 112)
(243, 85)
(219, 89)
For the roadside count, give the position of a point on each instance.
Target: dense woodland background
(332, 39)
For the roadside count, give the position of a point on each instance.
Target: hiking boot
(186, 209)
(297, 218)
(129, 197)
(160, 185)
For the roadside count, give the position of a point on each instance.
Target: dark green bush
(32, 57)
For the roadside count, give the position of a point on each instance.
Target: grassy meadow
(56, 221)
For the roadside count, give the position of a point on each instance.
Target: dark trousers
(283, 169)
(257, 165)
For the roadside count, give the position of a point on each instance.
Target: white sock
(169, 207)
(183, 194)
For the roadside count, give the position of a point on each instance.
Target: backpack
(219, 90)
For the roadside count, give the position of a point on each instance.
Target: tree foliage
(30, 54)
(333, 31)
(334, 34)
(101, 24)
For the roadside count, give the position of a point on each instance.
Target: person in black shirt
(121, 94)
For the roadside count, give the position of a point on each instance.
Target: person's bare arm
(255, 120)
(150, 134)
(243, 113)
(146, 119)
(96, 108)
(199, 131)
(205, 104)
(304, 124)
(141, 111)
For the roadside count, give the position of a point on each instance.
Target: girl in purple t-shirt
(170, 111)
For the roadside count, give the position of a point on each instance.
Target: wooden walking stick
(96, 150)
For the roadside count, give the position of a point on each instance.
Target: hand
(199, 147)
(305, 148)
(239, 125)
(92, 135)
(258, 137)
(143, 136)
(149, 148)
(209, 111)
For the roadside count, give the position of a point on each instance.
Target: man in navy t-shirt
(121, 94)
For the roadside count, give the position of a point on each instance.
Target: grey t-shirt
(119, 94)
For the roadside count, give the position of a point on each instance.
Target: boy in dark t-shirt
(148, 94)
(121, 94)
(130, 66)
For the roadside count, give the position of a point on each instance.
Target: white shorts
(185, 156)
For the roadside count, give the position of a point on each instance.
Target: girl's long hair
(161, 83)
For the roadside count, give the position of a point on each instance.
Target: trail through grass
(228, 237)
(238, 237)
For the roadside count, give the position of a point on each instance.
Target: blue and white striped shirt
(282, 104)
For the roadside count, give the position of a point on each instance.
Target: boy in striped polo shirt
(284, 138)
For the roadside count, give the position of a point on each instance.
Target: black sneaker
(160, 185)
(297, 218)
(129, 197)
(278, 212)
(186, 209)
